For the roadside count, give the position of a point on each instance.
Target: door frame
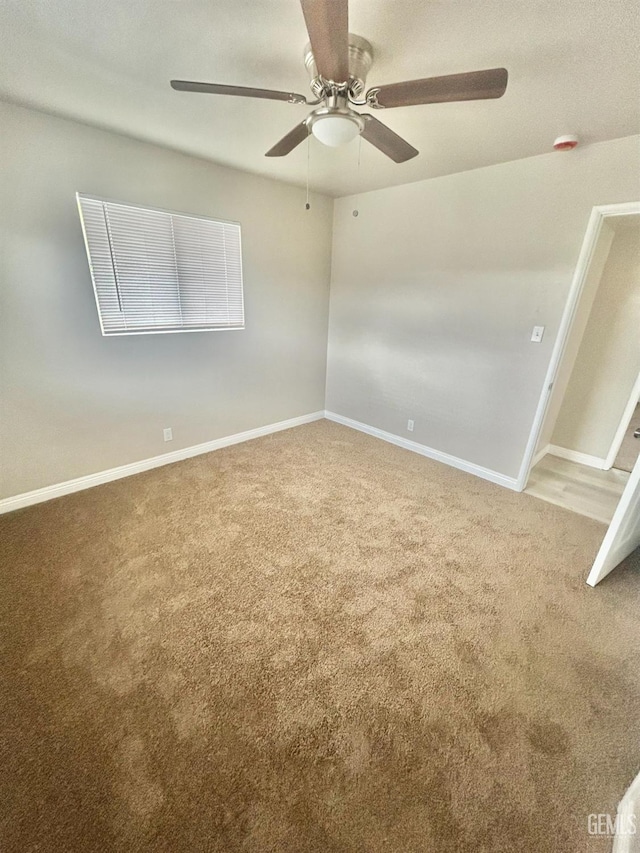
(596, 220)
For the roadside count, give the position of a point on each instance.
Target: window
(158, 271)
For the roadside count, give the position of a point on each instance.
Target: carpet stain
(549, 738)
(313, 641)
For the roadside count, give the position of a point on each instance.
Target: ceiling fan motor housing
(360, 61)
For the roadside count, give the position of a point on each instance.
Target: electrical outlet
(168, 434)
(410, 425)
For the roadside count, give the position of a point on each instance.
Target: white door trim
(594, 227)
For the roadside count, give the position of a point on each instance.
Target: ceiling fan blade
(475, 85)
(387, 141)
(242, 91)
(328, 27)
(289, 142)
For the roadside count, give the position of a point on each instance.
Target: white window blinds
(157, 271)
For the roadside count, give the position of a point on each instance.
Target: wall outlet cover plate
(536, 335)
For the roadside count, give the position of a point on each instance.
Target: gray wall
(608, 361)
(436, 287)
(73, 402)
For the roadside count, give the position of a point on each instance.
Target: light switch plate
(536, 335)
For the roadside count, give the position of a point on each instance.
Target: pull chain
(356, 212)
(307, 205)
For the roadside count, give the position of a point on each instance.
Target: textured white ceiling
(573, 67)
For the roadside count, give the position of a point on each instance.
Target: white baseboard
(575, 456)
(423, 450)
(541, 454)
(49, 492)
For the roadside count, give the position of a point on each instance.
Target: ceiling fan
(338, 63)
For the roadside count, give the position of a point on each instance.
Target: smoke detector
(565, 143)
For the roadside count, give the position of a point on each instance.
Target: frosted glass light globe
(335, 130)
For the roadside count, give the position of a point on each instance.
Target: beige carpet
(311, 642)
(630, 447)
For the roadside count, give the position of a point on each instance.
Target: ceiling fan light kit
(338, 63)
(335, 127)
(335, 123)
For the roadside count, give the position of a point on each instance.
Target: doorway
(587, 448)
(582, 448)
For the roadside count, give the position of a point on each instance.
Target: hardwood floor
(587, 491)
